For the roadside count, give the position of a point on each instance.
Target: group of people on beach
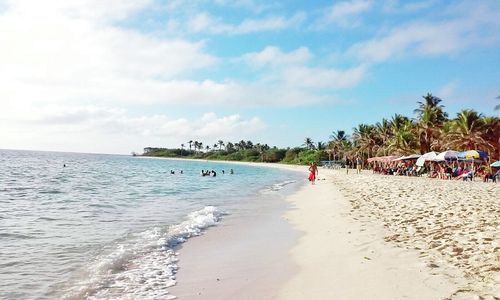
(440, 170)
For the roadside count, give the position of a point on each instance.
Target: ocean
(92, 226)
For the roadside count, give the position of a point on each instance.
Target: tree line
(430, 129)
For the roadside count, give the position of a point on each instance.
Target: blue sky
(116, 76)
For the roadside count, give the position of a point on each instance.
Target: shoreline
(245, 257)
(342, 251)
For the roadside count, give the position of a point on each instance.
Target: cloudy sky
(115, 76)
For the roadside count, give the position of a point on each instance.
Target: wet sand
(243, 258)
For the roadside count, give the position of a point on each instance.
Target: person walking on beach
(313, 171)
(358, 164)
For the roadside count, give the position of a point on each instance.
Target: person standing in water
(313, 171)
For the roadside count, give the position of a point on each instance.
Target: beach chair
(493, 177)
(467, 176)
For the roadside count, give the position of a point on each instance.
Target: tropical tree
(384, 133)
(221, 144)
(200, 146)
(467, 131)
(182, 148)
(337, 143)
(430, 118)
(492, 134)
(230, 147)
(190, 143)
(308, 143)
(363, 140)
(241, 145)
(402, 140)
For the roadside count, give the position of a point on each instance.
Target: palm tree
(364, 140)
(384, 133)
(190, 143)
(241, 145)
(207, 147)
(403, 140)
(215, 146)
(492, 134)
(430, 118)
(308, 143)
(467, 131)
(229, 147)
(336, 144)
(221, 144)
(182, 148)
(198, 145)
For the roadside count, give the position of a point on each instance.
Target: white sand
(364, 236)
(383, 237)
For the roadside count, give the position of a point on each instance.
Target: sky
(116, 76)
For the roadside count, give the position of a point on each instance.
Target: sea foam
(145, 264)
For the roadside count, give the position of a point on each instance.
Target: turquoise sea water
(107, 226)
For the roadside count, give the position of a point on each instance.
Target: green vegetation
(243, 151)
(429, 130)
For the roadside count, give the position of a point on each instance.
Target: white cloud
(473, 27)
(97, 10)
(274, 56)
(51, 56)
(67, 126)
(323, 77)
(291, 71)
(396, 6)
(344, 14)
(203, 22)
(251, 5)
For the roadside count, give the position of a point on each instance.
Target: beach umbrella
(427, 156)
(413, 156)
(447, 155)
(420, 161)
(473, 154)
(496, 164)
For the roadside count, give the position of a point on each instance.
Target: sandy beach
(356, 236)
